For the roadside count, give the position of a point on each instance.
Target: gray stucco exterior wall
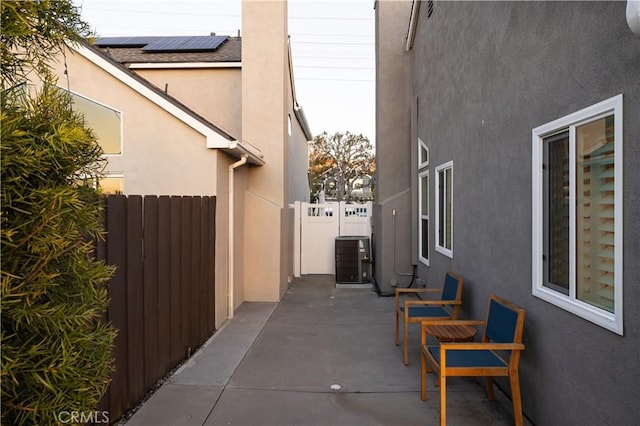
(486, 74)
(392, 233)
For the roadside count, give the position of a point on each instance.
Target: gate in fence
(316, 228)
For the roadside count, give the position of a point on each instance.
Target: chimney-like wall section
(264, 125)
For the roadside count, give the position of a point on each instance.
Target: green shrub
(56, 351)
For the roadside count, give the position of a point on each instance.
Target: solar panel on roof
(185, 43)
(164, 43)
(125, 41)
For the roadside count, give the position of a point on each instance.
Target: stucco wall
(298, 164)
(392, 234)
(160, 154)
(240, 184)
(264, 125)
(214, 93)
(222, 243)
(486, 74)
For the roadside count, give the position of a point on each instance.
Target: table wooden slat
(451, 333)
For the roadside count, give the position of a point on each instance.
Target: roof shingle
(228, 51)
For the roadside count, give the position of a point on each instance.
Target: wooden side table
(451, 333)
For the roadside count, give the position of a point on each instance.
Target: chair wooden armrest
(431, 302)
(484, 346)
(401, 291)
(418, 290)
(446, 304)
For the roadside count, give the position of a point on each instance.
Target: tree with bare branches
(338, 161)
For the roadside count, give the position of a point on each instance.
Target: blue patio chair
(418, 310)
(498, 354)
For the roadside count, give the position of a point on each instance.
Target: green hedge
(56, 351)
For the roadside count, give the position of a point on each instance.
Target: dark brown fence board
(164, 284)
(176, 296)
(135, 299)
(101, 254)
(185, 268)
(150, 232)
(211, 267)
(196, 203)
(116, 255)
(162, 297)
(203, 297)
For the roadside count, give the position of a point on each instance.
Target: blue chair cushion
(502, 323)
(450, 289)
(468, 358)
(427, 311)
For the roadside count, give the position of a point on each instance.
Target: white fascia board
(255, 156)
(297, 109)
(213, 138)
(413, 25)
(182, 65)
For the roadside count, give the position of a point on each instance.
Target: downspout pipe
(231, 239)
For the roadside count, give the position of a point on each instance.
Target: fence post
(296, 238)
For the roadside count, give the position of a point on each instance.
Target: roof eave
(214, 139)
(182, 65)
(302, 119)
(297, 109)
(254, 155)
(413, 24)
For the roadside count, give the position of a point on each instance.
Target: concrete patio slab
(216, 361)
(177, 405)
(246, 407)
(275, 364)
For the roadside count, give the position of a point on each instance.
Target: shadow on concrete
(322, 356)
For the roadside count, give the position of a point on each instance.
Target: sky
(332, 43)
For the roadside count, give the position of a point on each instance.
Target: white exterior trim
(610, 321)
(413, 25)
(421, 175)
(422, 146)
(213, 138)
(182, 65)
(108, 107)
(441, 249)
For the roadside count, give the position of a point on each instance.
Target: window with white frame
(423, 202)
(423, 154)
(105, 122)
(577, 213)
(423, 226)
(112, 183)
(444, 209)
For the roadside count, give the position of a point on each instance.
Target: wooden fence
(162, 294)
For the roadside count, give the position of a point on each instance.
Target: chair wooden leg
(397, 329)
(443, 398)
(516, 398)
(489, 388)
(423, 376)
(406, 343)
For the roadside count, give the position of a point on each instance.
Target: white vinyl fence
(316, 228)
